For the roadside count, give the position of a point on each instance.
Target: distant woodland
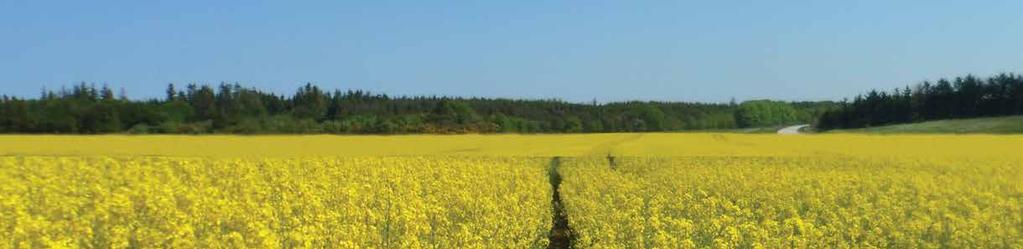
(234, 109)
(962, 97)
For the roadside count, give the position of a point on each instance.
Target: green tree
(762, 113)
(309, 103)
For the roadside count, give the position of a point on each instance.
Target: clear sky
(572, 50)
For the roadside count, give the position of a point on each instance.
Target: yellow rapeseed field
(794, 202)
(378, 202)
(665, 190)
(622, 144)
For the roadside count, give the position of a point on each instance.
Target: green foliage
(759, 113)
(176, 111)
(962, 97)
(653, 118)
(309, 103)
(453, 113)
(231, 108)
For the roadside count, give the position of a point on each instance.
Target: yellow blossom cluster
(357, 202)
(794, 202)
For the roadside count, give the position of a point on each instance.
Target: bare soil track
(561, 236)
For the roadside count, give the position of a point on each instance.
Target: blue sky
(572, 50)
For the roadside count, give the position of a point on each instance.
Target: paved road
(791, 130)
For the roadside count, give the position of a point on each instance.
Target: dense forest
(962, 97)
(231, 108)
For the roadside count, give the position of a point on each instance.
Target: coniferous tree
(961, 97)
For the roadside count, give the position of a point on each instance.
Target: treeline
(769, 113)
(231, 108)
(962, 97)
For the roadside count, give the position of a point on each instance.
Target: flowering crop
(363, 202)
(542, 145)
(784, 202)
(493, 191)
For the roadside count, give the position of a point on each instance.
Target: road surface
(791, 130)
